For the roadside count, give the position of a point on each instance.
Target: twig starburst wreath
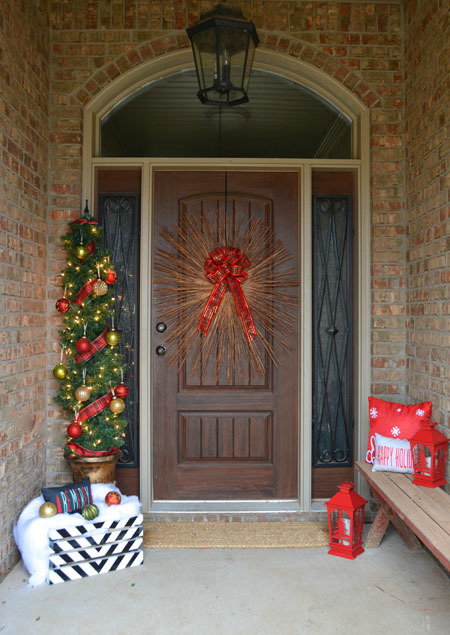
(223, 289)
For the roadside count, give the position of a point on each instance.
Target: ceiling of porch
(283, 119)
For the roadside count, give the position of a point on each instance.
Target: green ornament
(81, 252)
(90, 511)
(60, 371)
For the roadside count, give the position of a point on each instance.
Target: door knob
(161, 327)
(160, 350)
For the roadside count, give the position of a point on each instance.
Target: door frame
(332, 90)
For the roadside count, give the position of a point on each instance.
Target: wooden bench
(412, 509)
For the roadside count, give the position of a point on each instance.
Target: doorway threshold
(233, 511)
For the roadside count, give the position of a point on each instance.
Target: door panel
(222, 430)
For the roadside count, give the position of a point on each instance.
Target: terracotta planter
(99, 469)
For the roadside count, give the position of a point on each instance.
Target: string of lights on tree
(91, 368)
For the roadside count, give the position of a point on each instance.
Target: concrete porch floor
(245, 592)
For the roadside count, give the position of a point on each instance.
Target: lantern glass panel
(422, 459)
(340, 527)
(204, 47)
(439, 460)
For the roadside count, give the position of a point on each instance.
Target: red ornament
(122, 390)
(91, 248)
(346, 521)
(83, 345)
(62, 305)
(113, 498)
(74, 430)
(111, 276)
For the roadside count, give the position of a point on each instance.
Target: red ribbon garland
(225, 268)
(85, 290)
(95, 408)
(96, 345)
(78, 449)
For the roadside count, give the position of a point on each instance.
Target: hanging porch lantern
(429, 451)
(224, 44)
(346, 521)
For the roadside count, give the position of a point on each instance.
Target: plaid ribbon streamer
(95, 408)
(85, 290)
(97, 345)
(225, 268)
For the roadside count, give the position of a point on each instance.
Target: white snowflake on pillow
(373, 413)
(395, 431)
(399, 409)
(420, 412)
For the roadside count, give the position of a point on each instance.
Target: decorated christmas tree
(90, 372)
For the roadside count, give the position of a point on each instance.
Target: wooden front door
(216, 437)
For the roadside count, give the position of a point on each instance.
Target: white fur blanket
(31, 531)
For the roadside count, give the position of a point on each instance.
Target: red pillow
(394, 420)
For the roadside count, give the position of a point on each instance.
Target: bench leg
(408, 537)
(380, 524)
(378, 529)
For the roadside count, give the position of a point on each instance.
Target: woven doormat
(235, 535)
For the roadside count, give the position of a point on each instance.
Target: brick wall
(92, 42)
(359, 44)
(24, 91)
(427, 59)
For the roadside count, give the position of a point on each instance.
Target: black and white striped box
(95, 547)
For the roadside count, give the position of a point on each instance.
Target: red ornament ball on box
(111, 276)
(62, 305)
(113, 498)
(83, 345)
(122, 390)
(74, 430)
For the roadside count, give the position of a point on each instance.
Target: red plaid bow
(96, 345)
(225, 268)
(82, 221)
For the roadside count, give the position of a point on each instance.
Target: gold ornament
(117, 405)
(60, 371)
(113, 337)
(100, 287)
(81, 252)
(83, 393)
(47, 510)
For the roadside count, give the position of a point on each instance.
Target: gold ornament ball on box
(81, 252)
(83, 393)
(117, 405)
(100, 287)
(60, 371)
(113, 337)
(47, 510)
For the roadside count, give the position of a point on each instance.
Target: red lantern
(429, 451)
(346, 521)
(74, 430)
(122, 390)
(111, 276)
(62, 305)
(83, 345)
